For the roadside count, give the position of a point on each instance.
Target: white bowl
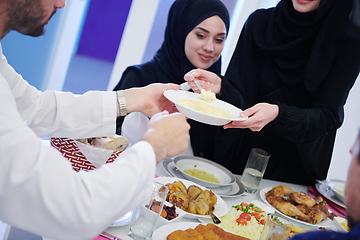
(174, 95)
(225, 177)
(338, 188)
(163, 221)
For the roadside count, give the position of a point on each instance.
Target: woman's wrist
(134, 100)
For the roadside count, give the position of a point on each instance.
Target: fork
(108, 236)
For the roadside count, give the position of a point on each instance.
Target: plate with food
(342, 223)
(194, 200)
(332, 190)
(213, 112)
(169, 213)
(298, 206)
(162, 232)
(204, 172)
(193, 230)
(234, 190)
(245, 219)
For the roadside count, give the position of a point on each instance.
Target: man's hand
(259, 116)
(168, 134)
(208, 80)
(149, 100)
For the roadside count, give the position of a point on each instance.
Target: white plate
(340, 220)
(220, 207)
(162, 232)
(174, 95)
(329, 194)
(257, 203)
(163, 221)
(234, 190)
(225, 177)
(325, 223)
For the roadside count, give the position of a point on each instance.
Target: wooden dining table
(122, 231)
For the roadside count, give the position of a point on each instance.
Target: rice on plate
(246, 220)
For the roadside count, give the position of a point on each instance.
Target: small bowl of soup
(204, 172)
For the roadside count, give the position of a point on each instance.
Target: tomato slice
(245, 216)
(241, 221)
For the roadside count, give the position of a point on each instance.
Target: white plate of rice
(216, 113)
(228, 222)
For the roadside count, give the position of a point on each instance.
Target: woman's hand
(259, 115)
(149, 100)
(208, 80)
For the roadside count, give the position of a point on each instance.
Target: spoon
(107, 236)
(206, 96)
(198, 84)
(215, 219)
(185, 86)
(329, 186)
(322, 182)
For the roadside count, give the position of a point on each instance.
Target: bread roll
(115, 143)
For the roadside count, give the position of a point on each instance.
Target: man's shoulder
(325, 235)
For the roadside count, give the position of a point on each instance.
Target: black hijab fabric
(170, 63)
(307, 46)
(306, 63)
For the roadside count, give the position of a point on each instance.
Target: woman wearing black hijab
(292, 71)
(171, 61)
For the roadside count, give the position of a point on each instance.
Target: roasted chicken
(176, 186)
(302, 198)
(193, 199)
(193, 192)
(180, 200)
(286, 207)
(298, 205)
(203, 203)
(280, 191)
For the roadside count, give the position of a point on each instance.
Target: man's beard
(351, 222)
(27, 18)
(36, 32)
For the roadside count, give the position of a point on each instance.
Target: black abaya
(306, 63)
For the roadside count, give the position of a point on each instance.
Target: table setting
(167, 172)
(198, 197)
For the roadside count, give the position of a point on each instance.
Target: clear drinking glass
(254, 169)
(144, 220)
(276, 228)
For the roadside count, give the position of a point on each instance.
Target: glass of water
(254, 169)
(276, 228)
(144, 220)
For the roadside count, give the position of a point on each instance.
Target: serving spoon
(215, 219)
(185, 86)
(197, 84)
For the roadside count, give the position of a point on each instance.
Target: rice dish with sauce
(204, 107)
(251, 230)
